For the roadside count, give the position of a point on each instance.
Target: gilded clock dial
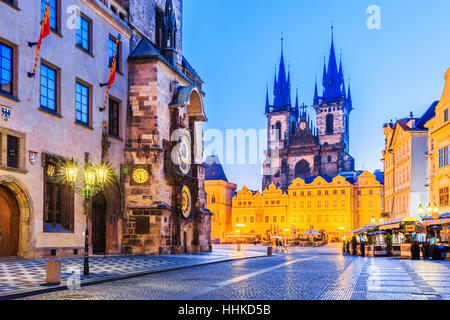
(140, 175)
(186, 201)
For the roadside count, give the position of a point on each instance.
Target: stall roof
(382, 223)
(434, 222)
(392, 222)
(360, 230)
(390, 226)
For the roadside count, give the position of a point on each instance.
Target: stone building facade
(220, 193)
(438, 153)
(55, 116)
(156, 201)
(295, 147)
(405, 165)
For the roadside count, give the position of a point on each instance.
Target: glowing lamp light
(429, 209)
(341, 228)
(240, 225)
(71, 172)
(435, 209)
(287, 229)
(237, 231)
(89, 177)
(102, 173)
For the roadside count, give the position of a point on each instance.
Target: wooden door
(99, 224)
(9, 223)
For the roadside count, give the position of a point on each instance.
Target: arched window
(277, 132)
(292, 128)
(213, 199)
(302, 169)
(329, 123)
(329, 158)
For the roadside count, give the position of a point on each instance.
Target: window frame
(11, 71)
(118, 54)
(14, 70)
(4, 133)
(82, 83)
(81, 16)
(57, 88)
(119, 117)
(57, 19)
(68, 204)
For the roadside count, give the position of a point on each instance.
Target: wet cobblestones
(322, 273)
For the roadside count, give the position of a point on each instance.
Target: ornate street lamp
(422, 212)
(95, 180)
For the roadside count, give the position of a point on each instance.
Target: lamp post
(422, 212)
(94, 179)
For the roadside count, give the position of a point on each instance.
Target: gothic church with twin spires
(296, 148)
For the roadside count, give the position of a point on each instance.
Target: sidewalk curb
(32, 292)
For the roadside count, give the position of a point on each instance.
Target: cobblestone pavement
(322, 273)
(28, 275)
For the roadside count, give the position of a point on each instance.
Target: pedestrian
(254, 241)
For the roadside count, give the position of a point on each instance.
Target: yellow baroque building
(438, 151)
(219, 193)
(332, 206)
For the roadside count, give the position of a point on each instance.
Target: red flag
(112, 75)
(45, 31)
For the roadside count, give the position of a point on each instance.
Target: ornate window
(443, 157)
(443, 197)
(58, 199)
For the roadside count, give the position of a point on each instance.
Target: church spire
(332, 88)
(324, 75)
(316, 94)
(349, 96)
(267, 97)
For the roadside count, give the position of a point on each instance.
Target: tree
(389, 246)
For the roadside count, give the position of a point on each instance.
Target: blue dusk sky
(235, 44)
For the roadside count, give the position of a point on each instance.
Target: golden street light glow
(71, 171)
(420, 209)
(240, 225)
(89, 176)
(238, 231)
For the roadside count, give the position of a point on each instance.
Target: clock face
(186, 201)
(303, 125)
(184, 155)
(140, 175)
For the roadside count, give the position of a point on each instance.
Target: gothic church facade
(296, 148)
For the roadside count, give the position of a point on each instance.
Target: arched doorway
(99, 223)
(9, 223)
(302, 169)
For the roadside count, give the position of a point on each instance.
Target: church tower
(282, 121)
(332, 117)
